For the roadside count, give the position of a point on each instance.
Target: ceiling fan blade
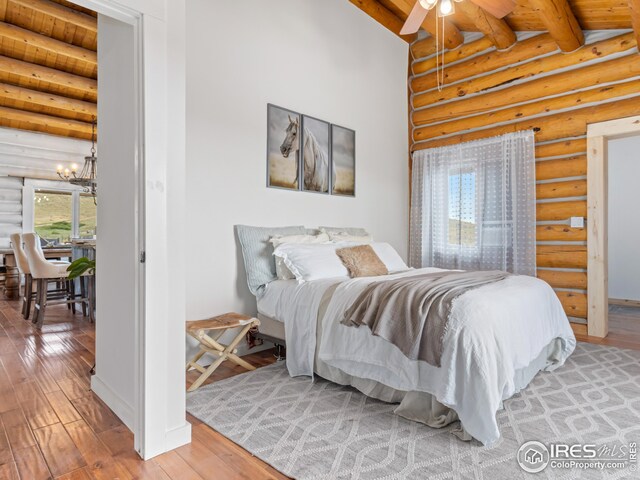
(414, 20)
(497, 8)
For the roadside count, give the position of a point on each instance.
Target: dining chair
(43, 272)
(23, 267)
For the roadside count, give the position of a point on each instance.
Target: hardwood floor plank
(9, 471)
(31, 465)
(8, 400)
(138, 468)
(96, 413)
(35, 406)
(118, 440)
(101, 464)
(233, 455)
(15, 368)
(208, 465)
(45, 380)
(63, 407)
(5, 448)
(17, 428)
(73, 388)
(59, 451)
(80, 474)
(176, 467)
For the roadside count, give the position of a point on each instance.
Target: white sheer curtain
(473, 205)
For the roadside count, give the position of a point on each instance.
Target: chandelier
(87, 177)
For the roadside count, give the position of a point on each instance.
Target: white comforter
(493, 331)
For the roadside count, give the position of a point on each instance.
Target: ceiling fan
(497, 8)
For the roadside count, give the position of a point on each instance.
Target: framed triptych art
(308, 154)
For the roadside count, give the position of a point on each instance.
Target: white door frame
(598, 135)
(159, 412)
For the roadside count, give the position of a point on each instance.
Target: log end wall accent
(535, 85)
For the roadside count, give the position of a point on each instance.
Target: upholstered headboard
(257, 251)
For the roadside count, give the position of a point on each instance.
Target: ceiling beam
(559, 20)
(452, 38)
(61, 12)
(29, 71)
(383, 16)
(423, 48)
(43, 42)
(495, 29)
(45, 123)
(70, 105)
(634, 6)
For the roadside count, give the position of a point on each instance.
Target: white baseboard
(177, 437)
(173, 438)
(122, 409)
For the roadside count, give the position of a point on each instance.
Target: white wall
(116, 245)
(624, 218)
(36, 155)
(323, 58)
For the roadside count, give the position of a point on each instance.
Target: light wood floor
(53, 426)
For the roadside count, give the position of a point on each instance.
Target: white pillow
(280, 239)
(346, 237)
(282, 271)
(312, 261)
(391, 259)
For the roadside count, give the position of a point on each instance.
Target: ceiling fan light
(446, 8)
(428, 4)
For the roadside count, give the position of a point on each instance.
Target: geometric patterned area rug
(320, 430)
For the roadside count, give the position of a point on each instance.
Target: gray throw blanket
(413, 312)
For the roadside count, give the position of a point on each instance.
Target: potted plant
(80, 267)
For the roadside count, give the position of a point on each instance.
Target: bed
(499, 337)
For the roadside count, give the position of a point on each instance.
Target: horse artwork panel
(315, 154)
(343, 156)
(308, 154)
(283, 148)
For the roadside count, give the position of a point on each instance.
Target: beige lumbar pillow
(362, 261)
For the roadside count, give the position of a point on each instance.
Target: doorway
(600, 138)
(140, 348)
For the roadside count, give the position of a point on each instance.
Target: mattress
(271, 327)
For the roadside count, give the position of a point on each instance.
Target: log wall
(533, 85)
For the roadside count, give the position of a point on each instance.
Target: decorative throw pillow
(362, 261)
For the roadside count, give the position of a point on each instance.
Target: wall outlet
(577, 222)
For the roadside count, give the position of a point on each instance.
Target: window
(87, 217)
(58, 211)
(462, 225)
(53, 216)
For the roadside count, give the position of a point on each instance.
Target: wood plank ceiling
(528, 15)
(48, 67)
